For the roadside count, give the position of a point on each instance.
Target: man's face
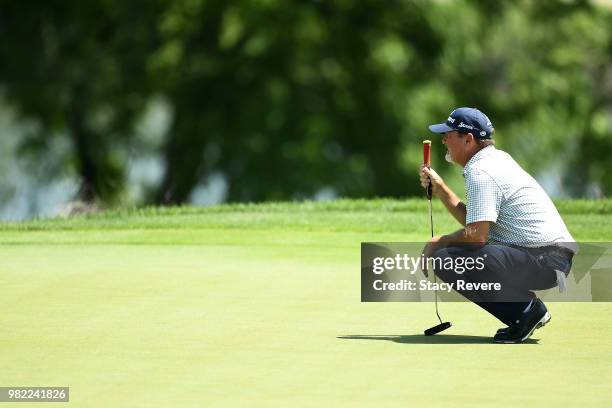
(455, 145)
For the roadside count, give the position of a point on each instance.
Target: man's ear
(469, 137)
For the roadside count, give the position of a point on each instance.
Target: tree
(77, 69)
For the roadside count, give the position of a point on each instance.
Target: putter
(427, 162)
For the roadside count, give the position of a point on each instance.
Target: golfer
(509, 222)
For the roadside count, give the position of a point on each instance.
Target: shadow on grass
(422, 339)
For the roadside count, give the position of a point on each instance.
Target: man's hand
(430, 248)
(445, 194)
(429, 175)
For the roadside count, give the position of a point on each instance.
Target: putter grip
(427, 162)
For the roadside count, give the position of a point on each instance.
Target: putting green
(261, 306)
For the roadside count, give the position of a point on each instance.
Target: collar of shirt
(481, 154)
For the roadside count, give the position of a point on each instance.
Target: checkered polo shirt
(500, 191)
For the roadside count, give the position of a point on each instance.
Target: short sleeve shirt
(500, 191)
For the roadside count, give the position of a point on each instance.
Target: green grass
(245, 305)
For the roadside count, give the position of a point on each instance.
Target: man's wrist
(442, 191)
(442, 241)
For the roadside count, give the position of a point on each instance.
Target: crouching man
(509, 222)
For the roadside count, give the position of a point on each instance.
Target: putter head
(437, 329)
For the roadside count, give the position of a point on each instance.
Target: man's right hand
(428, 175)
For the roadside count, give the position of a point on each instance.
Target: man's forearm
(452, 203)
(458, 237)
(475, 233)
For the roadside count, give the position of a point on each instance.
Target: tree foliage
(284, 98)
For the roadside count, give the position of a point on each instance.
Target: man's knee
(441, 253)
(449, 263)
(440, 267)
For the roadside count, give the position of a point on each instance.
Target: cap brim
(440, 128)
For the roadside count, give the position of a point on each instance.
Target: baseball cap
(466, 120)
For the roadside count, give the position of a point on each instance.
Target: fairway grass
(260, 306)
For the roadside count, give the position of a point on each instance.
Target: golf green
(260, 306)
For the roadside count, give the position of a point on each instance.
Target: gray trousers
(518, 270)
